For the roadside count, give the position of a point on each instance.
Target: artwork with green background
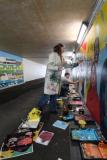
(11, 70)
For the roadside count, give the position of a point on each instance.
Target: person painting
(65, 81)
(52, 84)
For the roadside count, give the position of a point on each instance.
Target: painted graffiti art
(11, 70)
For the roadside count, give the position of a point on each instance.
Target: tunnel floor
(60, 146)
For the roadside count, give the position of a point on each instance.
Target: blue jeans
(53, 103)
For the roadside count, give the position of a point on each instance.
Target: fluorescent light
(81, 33)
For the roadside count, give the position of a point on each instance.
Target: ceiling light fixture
(82, 32)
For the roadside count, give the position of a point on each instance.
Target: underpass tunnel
(29, 32)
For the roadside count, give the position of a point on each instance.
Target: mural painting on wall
(11, 70)
(95, 49)
(94, 63)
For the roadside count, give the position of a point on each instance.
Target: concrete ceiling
(30, 28)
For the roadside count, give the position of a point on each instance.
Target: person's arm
(77, 63)
(72, 82)
(71, 65)
(69, 81)
(75, 82)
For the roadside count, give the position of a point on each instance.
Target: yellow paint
(60, 102)
(5, 154)
(36, 133)
(99, 29)
(82, 123)
(34, 114)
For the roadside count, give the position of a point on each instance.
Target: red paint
(93, 103)
(84, 46)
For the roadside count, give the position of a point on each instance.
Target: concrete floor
(14, 111)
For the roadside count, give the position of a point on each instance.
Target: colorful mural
(11, 70)
(94, 48)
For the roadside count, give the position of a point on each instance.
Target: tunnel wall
(33, 70)
(94, 48)
(18, 75)
(15, 70)
(15, 91)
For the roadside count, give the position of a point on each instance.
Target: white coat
(53, 75)
(52, 84)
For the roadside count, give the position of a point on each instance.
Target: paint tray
(90, 151)
(103, 150)
(77, 103)
(85, 117)
(44, 137)
(87, 134)
(68, 117)
(94, 150)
